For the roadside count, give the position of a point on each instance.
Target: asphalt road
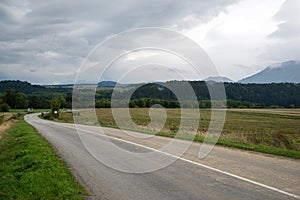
(224, 174)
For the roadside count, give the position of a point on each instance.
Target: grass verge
(228, 143)
(30, 168)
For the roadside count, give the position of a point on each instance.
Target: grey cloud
(289, 27)
(32, 31)
(287, 36)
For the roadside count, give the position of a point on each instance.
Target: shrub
(47, 116)
(55, 106)
(4, 107)
(174, 128)
(1, 119)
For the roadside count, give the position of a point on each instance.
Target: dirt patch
(8, 122)
(5, 126)
(291, 112)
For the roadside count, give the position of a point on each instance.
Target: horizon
(209, 78)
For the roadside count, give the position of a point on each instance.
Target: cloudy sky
(45, 42)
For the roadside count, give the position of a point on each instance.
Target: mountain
(113, 84)
(286, 72)
(109, 84)
(219, 79)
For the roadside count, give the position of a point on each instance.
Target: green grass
(30, 168)
(25, 110)
(260, 148)
(228, 143)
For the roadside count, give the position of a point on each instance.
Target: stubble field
(270, 127)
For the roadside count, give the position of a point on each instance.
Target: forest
(20, 95)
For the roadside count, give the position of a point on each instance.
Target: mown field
(256, 127)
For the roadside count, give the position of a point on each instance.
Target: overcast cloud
(46, 41)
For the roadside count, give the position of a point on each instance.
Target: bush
(1, 119)
(55, 106)
(47, 116)
(4, 107)
(174, 128)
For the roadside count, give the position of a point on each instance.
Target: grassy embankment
(30, 168)
(25, 110)
(277, 134)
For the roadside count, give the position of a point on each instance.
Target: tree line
(237, 94)
(11, 99)
(19, 95)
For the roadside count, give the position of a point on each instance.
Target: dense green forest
(19, 94)
(238, 95)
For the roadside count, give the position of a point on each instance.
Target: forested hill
(20, 94)
(28, 88)
(238, 94)
(264, 95)
(272, 94)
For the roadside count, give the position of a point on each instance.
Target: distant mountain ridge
(112, 84)
(286, 72)
(107, 84)
(219, 79)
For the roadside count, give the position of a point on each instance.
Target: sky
(46, 42)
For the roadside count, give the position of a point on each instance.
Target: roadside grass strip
(30, 168)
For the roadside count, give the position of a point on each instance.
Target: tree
(21, 100)
(55, 105)
(4, 107)
(35, 102)
(103, 103)
(15, 99)
(9, 98)
(132, 104)
(63, 102)
(141, 103)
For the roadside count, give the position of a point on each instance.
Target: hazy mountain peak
(219, 79)
(277, 73)
(284, 64)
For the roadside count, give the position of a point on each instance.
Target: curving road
(224, 174)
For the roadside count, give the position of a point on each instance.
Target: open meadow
(269, 127)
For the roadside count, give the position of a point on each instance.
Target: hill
(286, 72)
(257, 95)
(219, 79)
(238, 94)
(28, 88)
(109, 84)
(20, 86)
